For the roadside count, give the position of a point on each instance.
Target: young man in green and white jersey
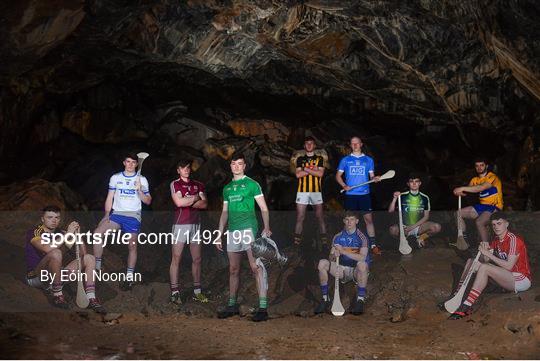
(239, 197)
(415, 208)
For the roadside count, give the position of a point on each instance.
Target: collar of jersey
(237, 180)
(128, 176)
(358, 156)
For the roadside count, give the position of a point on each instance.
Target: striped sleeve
(112, 183)
(512, 249)
(363, 238)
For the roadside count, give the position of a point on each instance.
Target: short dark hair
(350, 214)
(499, 215)
(414, 175)
(184, 162)
(237, 156)
(51, 208)
(481, 159)
(309, 138)
(130, 155)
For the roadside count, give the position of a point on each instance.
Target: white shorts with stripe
(521, 282)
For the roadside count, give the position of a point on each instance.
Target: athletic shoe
(175, 298)
(322, 307)
(358, 308)
(376, 250)
(95, 306)
(200, 297)
(126, 285)
(229, 311)
(461, 312)
(60, 302)
(260, 315)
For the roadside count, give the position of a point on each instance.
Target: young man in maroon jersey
(188, 197)
(504, 261)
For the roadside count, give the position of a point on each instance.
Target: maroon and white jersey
(187, 215)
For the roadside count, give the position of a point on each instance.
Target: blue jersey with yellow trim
(351, 243)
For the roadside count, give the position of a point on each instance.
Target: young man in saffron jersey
(239, 197)
(489, 189)
(188, 196)
(309, 171)
(504, 261)
(415, 208)
(359, 168)
(123, 211)
(351, 246)
(41, 255)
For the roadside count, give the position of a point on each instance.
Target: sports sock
(98, 263)
(324, 291)
(129, 274)
(90, 290)
(472, 297)
(232, 301)
(372, 241)
(263, 302)
(57, 289)
(196, 288)
(361, 292)
(174, 288)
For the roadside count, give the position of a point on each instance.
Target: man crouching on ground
(41, 255)
(351, 245)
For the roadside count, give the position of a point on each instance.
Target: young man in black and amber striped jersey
(309, 171)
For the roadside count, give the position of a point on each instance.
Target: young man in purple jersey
(359, 168)
(42, 256)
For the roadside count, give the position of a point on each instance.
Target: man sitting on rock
(44, 255)
(351, 246)
(504, 261)
(415, 207)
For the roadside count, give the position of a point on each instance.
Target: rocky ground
(401, 320)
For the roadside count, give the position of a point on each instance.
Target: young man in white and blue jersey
(351, 246)
(359, 168)
(123, 211)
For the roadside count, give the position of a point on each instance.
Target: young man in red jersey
(504, 261)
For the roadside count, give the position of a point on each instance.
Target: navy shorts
(481, 208)
(361, 202)
(127, 224)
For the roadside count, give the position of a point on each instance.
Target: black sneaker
(60, 302)
(95, 306)
(322, 307)
(229, 311)
(358, 308)
(126, 285)
(175, 298)
(461, 312)
(260, 315)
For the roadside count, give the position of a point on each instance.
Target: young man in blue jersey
(123, 211)
(359, 168)
(415, 208)
(351, 246)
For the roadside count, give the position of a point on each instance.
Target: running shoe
(96, 306)
(461, 312)
(260, 315)
(358, 308)
(60, 302)
(175, 298)
(229, 311)
(200, 297)
(322, 307)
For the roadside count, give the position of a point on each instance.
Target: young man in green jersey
(239, 197)
(415, 208)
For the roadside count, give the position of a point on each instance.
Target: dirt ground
(401, 319)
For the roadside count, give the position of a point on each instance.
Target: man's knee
(481, 221)
(196, 260)
(362, 267)
(89, 260)
(394, 230)
(324, 265)
(55, 255)
(234, 270)
(435, 228)
(368, 218)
